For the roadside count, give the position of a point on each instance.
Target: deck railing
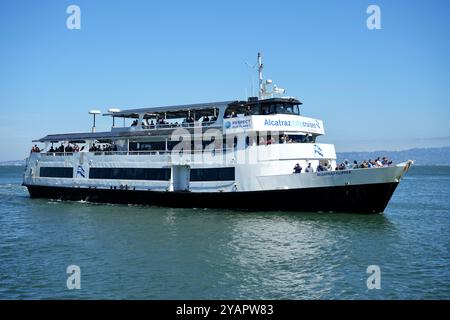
(133, 153)
(159, 126)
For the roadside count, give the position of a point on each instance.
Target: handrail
(131, 153)
(158, 126)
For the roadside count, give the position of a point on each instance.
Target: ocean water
(136, 252)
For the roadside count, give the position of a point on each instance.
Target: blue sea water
(137, 252)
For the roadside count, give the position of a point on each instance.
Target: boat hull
(362, 198)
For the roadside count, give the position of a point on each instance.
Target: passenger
(386, 162)
(347, 165)
(233, 114)
(355, 164)
(298, 168)
(320, 168)
(262, 141)
(285, 138)
(51, 149)
(206, 119)
(309, 168)
(342, 166)
(378, 162)
(68, 148)
(248, 111)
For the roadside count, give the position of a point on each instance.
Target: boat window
(297, 138)
(279, 108)
(148, 146)
(284, 108)
(212, 174)
(237, 111)
(157, 174)
(56, 172)
(263, 108)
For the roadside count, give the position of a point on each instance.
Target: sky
(374, 89)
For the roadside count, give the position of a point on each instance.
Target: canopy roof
(122, 133)
(179, 109)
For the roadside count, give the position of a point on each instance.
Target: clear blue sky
(374, 89)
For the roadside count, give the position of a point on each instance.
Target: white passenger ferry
(232, 154)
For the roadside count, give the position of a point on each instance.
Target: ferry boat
(233, 154)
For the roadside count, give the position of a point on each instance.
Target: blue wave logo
(317, 124)
(81, 172)
(318, 150)
(228, 125)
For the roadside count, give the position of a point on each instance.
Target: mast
(260, 68)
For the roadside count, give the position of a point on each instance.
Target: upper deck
(230, 117)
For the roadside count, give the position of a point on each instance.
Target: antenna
(94, 113)
(267, 89)
(260, 68)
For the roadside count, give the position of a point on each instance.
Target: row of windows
(130, 173)
(49, 172)
(155, 174)
(212, 174)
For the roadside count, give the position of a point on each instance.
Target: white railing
(159, 126)
(135, 153)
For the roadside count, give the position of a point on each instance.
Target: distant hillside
(421, 156)
(13, 163)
